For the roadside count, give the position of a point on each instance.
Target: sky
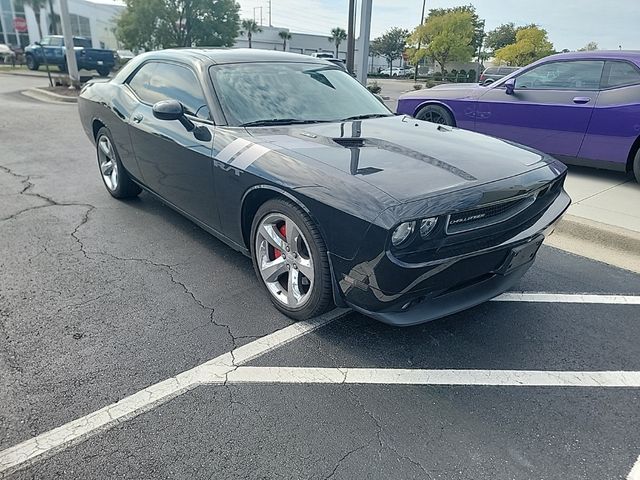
(571, 23)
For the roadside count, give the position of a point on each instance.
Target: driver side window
(156, 81)
(572, 75)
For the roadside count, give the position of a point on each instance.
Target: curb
(47, 96)
(609, 244)
(32, 75)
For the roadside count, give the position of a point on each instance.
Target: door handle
(581, 100)
(137, 118)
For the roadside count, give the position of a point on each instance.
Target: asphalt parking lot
(127, 305)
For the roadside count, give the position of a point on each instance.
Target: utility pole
(480, 47)
(362, 58)
(72, 64)
(351, 32)
(270, 14)
(54, 28)
(415, 73)
(254, 14)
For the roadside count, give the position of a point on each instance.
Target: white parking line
(634, 474)
(392, 376)
(226, 368)
(215, 370)
(568, 298)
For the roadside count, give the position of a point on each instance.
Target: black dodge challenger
(288, 159)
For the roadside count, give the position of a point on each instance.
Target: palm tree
(249, 27)
(284, 35)
(338, 35)
(36, 6)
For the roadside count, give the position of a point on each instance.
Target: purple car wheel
(436, 114)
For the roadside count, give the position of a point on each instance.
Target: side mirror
(168, 110)
(172, 110)
(510, 86)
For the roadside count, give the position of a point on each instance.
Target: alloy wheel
(284, 260)
(433, 116)
(107, 162)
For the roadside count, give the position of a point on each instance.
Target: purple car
(582, 107)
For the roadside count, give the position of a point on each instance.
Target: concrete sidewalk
(606, 197)
(603, 221)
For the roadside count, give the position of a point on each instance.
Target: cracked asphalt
(101, 298)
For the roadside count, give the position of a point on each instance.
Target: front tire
(436, 114)
(32, 64)
(114, 176)
(636, 166)
(290, 260)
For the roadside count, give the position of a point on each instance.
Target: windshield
(300, 92)
(81, 42)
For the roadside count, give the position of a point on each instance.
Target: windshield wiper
(365, 116)
(277, 121)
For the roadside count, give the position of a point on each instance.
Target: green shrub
(373, 87)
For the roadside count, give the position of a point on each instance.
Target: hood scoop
(350, 142)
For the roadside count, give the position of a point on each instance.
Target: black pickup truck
(52, 47)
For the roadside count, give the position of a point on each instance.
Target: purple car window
(576, 75)
(622, 73)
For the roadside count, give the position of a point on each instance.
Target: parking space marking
(216, 369)
(568, 298)
(227, 368)
(634, 474)
(399, 376)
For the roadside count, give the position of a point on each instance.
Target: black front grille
(489, 215)
(482, 213)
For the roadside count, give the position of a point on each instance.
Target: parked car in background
(582, 107)
(337, 62)
(293, 162)
(52, 48)
(322, 55)
(395, 72)
(122, 57)
(492, 74)
(7, 55)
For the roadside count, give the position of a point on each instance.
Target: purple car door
(615, 124)
(549, 107)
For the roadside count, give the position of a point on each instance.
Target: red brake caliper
(283, 231)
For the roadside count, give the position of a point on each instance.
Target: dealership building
(94, 20)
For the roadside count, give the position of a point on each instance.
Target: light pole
(72, 64)
(351, 32)
(415, 73)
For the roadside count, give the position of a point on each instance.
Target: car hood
(405, 158)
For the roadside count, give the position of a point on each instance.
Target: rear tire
(31, 62)
(296, 277)
(636, 166)
(114, 176)
(436, 114)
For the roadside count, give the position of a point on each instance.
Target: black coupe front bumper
(449, 285)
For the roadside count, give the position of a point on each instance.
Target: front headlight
(402, 232)
(427, 225)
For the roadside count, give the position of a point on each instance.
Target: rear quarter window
(621, 74)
